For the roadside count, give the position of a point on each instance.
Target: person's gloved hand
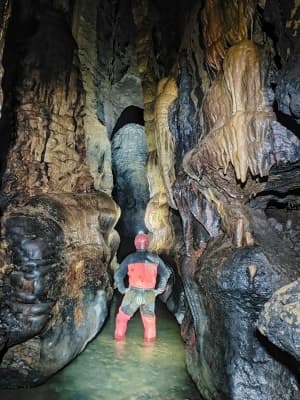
(158, 291)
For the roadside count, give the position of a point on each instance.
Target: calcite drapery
(161, 172)
(225, 23)
(157, 217)
(238, 127)
(167, 92)
(239, 140)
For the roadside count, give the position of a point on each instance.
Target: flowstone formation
(55, 283)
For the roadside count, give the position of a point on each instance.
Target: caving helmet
(141, 241)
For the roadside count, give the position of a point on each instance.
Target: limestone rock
(226, 356)
(55, 283)
(279, 321)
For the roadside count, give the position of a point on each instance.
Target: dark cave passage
(131, 115)
(122, 370)
(129, 158)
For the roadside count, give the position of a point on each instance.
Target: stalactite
(225, 23)
(239, 136)
(240, 127)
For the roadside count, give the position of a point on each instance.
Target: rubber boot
(121, 325)
(149, 328)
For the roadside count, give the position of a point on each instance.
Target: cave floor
(122, 370)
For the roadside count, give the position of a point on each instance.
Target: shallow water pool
(122, 370)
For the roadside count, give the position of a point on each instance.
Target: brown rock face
(279, 321)
(48, 153)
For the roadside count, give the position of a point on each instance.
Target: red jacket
(142, 268)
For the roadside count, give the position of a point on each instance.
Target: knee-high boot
(149, 323)
(121, 325)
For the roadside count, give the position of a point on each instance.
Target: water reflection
(122, 370)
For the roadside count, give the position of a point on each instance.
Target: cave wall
(44, 105)
(4, 13)
(283, 20)
(56, 282)
(118, 80)
(98, 151)
(239, 102)
(58, 237)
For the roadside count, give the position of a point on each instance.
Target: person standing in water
(143, 268)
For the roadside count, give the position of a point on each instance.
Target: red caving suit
(142, 268)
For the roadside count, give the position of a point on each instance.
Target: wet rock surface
(279, 321)
(232, 287)
(55, 284)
